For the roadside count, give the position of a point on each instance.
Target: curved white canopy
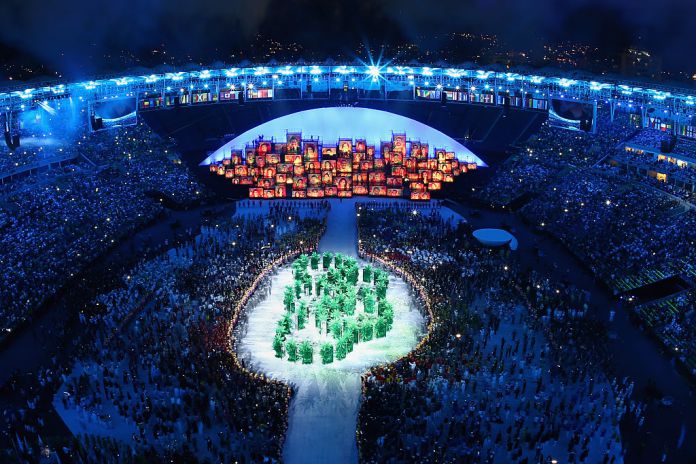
(333, 123)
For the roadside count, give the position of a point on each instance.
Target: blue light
(121, 86)
(344, 70)
(374, 71)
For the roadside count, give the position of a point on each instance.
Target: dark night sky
(65, 33)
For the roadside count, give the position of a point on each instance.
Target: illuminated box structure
(299, 168)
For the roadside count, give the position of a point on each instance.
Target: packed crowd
(53, 223)
(673, 322)
(13, 162)
(158, 378)
(616, 229)
(551, 153)
(603, 204)
(679, 181)
(508, 373)
(652, 139)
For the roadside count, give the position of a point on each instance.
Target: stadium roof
(676, 101)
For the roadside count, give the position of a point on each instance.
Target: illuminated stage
(324, 410)
(332, 124)
(387, 155)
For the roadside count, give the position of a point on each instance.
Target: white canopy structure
(330, 124)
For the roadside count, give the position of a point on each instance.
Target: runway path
(322, 422)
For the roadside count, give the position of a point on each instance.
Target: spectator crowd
(602, 203)
(54, 223)
(512, 370)
(157, 377)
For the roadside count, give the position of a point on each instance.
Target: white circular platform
(496, 238)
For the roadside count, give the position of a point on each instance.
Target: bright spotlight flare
(374, 71)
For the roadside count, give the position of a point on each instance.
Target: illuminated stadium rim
(678, 103)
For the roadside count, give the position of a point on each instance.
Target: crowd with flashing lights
(508, 373)
(156, 377)
(629, 237)
(549, 153)
(13, 162)
(680, 181)
(626, 226)
(616, 229)
(53, 223)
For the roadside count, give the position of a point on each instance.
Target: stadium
(348, 262)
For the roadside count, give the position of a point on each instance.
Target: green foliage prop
(330, 294)
(306, 352)
(278, 346)
(327, 353)
(291, 349)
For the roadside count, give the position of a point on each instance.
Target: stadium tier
(654, 106)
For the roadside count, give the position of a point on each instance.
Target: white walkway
(341, 229)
